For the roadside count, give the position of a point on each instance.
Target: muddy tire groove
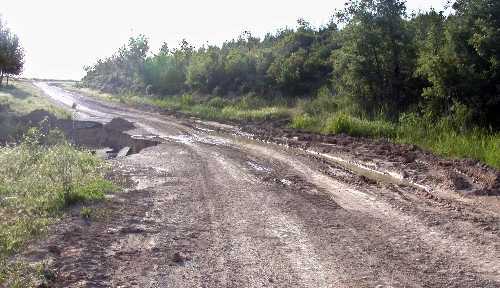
(212, 210)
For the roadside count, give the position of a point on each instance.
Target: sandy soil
(213, 206)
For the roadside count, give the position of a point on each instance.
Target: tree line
(373, 57)
(11, 53)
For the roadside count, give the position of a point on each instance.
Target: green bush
(251, 101)
(323, 104)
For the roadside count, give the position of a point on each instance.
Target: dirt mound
(38, 116)
(119, 124)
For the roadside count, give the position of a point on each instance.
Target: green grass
(23, 97)
(344, 123)
(438, 137)
(37, 183)
(214, 109)
(443, 139)
(248, 108)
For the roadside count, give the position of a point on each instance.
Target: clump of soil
(120, 124)
(39, 116)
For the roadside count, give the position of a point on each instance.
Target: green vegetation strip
(442, 137)
(247, 108)
(439, 137)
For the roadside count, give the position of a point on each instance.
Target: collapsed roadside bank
(98, 137)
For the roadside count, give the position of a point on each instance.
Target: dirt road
(209, 209)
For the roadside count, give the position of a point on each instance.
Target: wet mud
(217, 205)
(379, 159)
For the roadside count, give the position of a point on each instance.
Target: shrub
(251, 101)
(323, 104)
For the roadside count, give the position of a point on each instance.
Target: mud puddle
(383, 176)
(372, 174)
(194, 138)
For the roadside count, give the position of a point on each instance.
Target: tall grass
(444, 138)
(440, 137)
(37, 182)
(344, 123)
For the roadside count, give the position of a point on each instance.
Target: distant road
(209, 209)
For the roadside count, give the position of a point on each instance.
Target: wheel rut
(204, 209)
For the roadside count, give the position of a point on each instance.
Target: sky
(60, 37)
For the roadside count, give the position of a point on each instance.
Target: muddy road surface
(211, 209)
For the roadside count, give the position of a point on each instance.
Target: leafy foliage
(374, 68)
(123, 71)
(461, 61)
(373, 59)
(11, 53)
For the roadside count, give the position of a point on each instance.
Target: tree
(301, 58)
(123, 71)
(374, 67)
(11, 54)
(465, 68)
(165, 73)
(205, 71)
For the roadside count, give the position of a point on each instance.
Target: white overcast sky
(62, 36)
